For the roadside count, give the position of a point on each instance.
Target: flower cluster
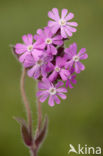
(46, 59)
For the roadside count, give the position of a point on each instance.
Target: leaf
(39, 139)
(27, 137)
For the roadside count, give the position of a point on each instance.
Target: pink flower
(47, 89)
(74, 58)
(46, 40)
(36, 67)
(71, 79)
(59, 70)
(26, 48)
(66, 27)
(48, 61)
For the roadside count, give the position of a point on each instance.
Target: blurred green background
(77, 120)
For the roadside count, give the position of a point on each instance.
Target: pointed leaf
(39, 139)
(27, 137)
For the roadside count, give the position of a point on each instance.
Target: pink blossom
(74, 58)
(71, 79)
(47, 59)
(48, 89)
(59, 69)
(36, 67)
(62, 23)
(26, 48)
(46, 40)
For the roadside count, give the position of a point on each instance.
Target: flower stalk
(32, 142)
(25, 100)
(39, 115)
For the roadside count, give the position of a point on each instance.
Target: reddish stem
(25, 100)
(33, 149)
(39, 114)
(33, 152)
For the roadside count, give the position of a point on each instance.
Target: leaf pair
(27, 136)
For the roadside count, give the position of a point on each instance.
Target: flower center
(62, 22)
(30, 47)
(39, 62)
(52, 91)
(76, 58)
(48, 41)
(57, 69)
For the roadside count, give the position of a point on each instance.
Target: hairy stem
(33, 152)
(39, 115)
(39, 110)
(25, 100)
(33, 148)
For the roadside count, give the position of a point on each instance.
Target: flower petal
(43, 70)
(55, 28)
(83, 57)
(64, 13)
(46, 82)
(81, 66)
(69, 16)
(64, 90)
(63, 33)
(57, 100)
(37, 73)
(73, 80)
(20, 48)
(77, 69)
(51, 23)
(51, 15)
(68, 32)
(59, 84)
(72, 50)
(42, 85)
(44, 97)
(57, 40)
(75, 24)
(51, 49)
(69, 64)
(67, 83)
(82, 51)
(31, 71)
(53, 76)
(22, 57)
(60, 61)
(56, 13)
(63, 96)
(71, 29)
(64, 74)
(37, 53)
(29, 61)
(28, 39)
(51, 101)
(70, 85)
